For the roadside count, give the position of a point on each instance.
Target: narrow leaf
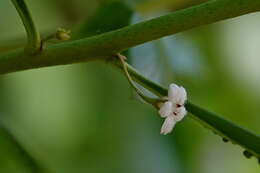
(227, 129)
(223, 127)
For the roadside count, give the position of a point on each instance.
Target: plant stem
(110, 43)
(125, 67)
(33, 36)
(148, 84)
(21, 153)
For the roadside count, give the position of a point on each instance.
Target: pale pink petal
(168, 125)
(166, 109)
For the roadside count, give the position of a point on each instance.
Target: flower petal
(166, 109)
(168, 125)
(177, 94)
(183, 95)
(172, 91)
(180, 113)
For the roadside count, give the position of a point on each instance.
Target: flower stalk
(152, 101)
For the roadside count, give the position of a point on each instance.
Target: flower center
(178, 105)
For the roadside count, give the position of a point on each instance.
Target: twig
(152, 101)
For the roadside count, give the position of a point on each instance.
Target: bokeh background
(86, 118)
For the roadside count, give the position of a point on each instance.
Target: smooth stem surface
(33, 36)
(223, 127)
(125, 68)
(131, 82)
(110, 43)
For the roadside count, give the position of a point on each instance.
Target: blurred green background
(86, 118)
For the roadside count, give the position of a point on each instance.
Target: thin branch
(33, 36)
(125, 67)
(110, 43)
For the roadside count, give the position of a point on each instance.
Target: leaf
(227, 129)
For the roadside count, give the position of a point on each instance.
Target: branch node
(60, 35)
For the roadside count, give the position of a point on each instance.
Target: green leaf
(227, 129)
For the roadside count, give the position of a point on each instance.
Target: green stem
(227, 129)
(14, 146)
(223, 127)
(110, 43)
(33, 36)
(148, 84)
(125, 67)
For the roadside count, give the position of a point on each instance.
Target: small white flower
(173, 109)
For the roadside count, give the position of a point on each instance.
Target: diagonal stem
(19, 150)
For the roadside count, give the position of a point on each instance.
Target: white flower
(176, 99)
(173, 109)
